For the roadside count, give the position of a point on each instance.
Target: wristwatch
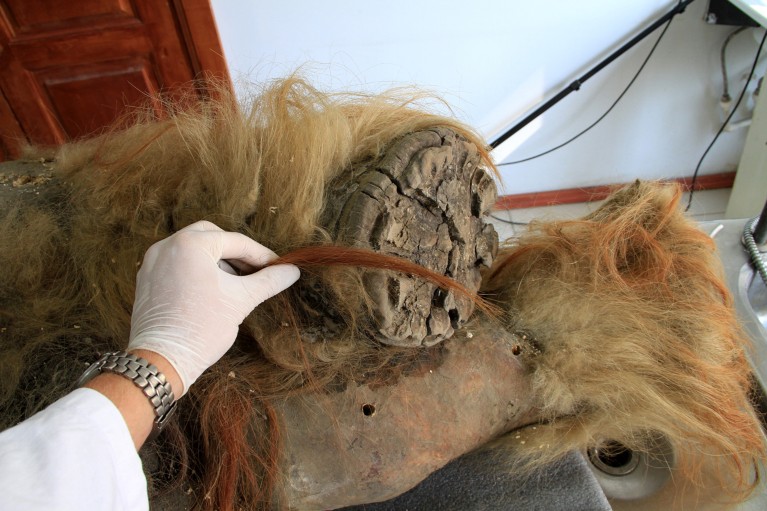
(145, 376)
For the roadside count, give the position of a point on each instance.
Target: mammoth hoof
(423, 200)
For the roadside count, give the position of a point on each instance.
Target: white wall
(494, 60)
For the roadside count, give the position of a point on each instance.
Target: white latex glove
(190, 302)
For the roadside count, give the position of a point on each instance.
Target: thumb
(269, 281)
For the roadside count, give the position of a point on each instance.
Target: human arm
(136, 410)
(80, 453)
(188, 307)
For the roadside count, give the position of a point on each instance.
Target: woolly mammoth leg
(422, 200)
(368, 444)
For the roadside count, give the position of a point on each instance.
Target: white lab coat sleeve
(76, 454)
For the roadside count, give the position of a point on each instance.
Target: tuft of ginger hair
(630, 333)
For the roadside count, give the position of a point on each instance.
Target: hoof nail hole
(516, 349)
(368, 410)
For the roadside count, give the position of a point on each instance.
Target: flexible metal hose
(753, 249)
(723, 59)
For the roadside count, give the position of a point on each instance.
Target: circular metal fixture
(625, 474)
(613, 458)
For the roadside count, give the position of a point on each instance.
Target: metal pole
(574, 86)
(760, 230)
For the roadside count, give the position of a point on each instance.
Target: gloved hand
(190, 302)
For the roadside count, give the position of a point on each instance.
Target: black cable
(725, 123)
(576, 85)
(723, 59)
(646, 60)
(507, 221)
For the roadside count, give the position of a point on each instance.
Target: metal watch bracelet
(144, 375)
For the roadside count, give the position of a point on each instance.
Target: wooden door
(70, 67)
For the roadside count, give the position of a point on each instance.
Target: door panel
(67, 69)
(112, 85)
(11, 134)
(35, 16)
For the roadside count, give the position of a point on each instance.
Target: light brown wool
(632, 334)
(262, 170)
(630, 328)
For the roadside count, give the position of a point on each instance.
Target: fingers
(240, 267)
(229, 268)
(202, 225)
(241, 252)
(239, 248)
(267, 282)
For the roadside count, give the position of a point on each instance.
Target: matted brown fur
(631, 333)
(631, 329)
(68, 263)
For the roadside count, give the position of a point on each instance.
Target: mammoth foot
(422, 200)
